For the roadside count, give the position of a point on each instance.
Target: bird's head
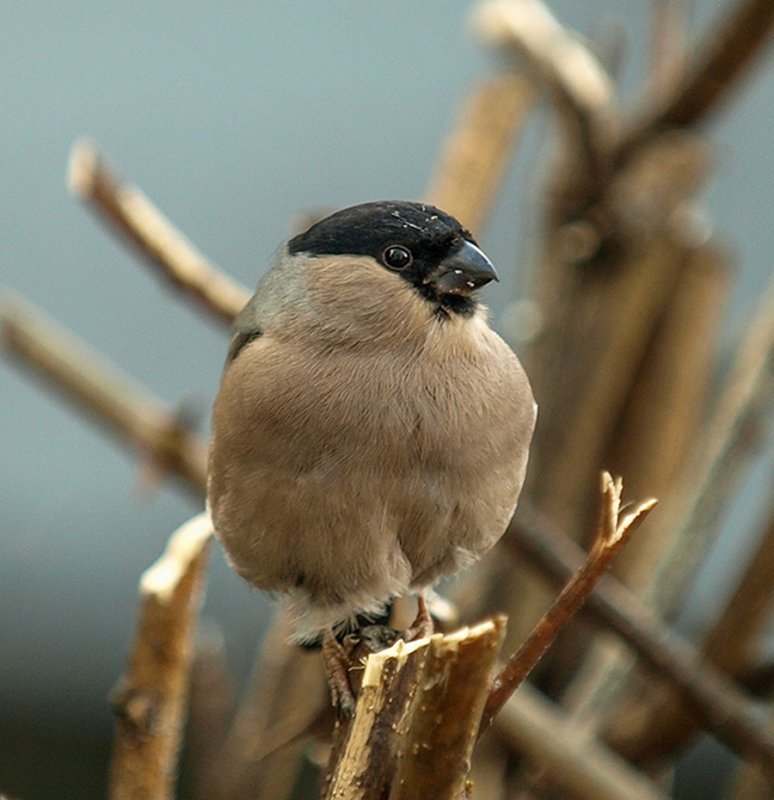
(423, 245)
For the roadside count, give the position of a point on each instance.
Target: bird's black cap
(428, 234)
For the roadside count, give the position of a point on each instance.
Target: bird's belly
(344, 525)
(377, 479)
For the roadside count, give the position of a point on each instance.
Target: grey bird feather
(371, 432)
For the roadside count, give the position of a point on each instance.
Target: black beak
(463, 271)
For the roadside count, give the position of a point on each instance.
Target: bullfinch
(371, 431)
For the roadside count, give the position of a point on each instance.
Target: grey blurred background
(234, 121)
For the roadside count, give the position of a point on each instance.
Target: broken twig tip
(82, 167)
(185, 544)
(634, 516)
(618, 521)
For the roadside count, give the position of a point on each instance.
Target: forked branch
(616, 524)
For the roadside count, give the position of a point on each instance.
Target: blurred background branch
(628, 293)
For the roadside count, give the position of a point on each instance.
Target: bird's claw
(423, 625)
(337, 661)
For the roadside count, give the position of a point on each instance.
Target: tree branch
(576, 80)
(259, 755)
(725, 57)
(583, 768)
(615, 527)
(98, 388)
(724, 709)
(416, 718)
(668, 46)
(136, 218)
(475, 154)
(715, 467)
(150, 703)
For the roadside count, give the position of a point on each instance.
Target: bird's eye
(397, 257)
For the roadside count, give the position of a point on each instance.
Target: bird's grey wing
(240, 340)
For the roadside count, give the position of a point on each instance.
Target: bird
(371, 432)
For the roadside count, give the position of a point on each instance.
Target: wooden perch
(150, 703)
(98, 388)
(616, 524)
(135, 217)
(416, 719)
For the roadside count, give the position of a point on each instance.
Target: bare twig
(416, 718)
(259, 757)
(577, 81)
(707, 478)
(666, 723)
(136, 218)
(615, 527)
(98, 388)
(716, 466)
(725, 57)
(583, 768)
(588, 361)
(212, 696)
(475, 155)
(735, 639)
(665, 410)
(753, 781)
(151, 701)
(669, 47)
(723, 708)
(656, 432)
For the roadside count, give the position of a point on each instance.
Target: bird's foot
(337, 662)
(423, 625)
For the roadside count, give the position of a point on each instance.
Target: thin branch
(131, 213)
(716, 467)
(583, 768)
(260, 752)
(668, 47)
(615, 527)
(97, 387)
(753, 780)
(598, 330)
(579, 84)
(211, 705)
(727, 54)
(736, 635)
(475, 155)
(665, 411)
(718, 702)
(150, 704)
(665, 723)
